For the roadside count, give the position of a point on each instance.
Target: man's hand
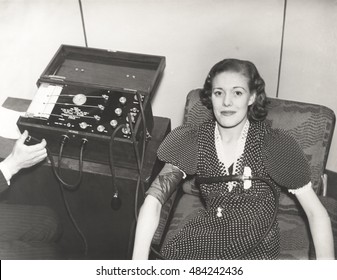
(23, 156)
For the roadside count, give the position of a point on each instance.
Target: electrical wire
(242, 178)
(281, 49)
(143, 119)
(273, 218)
(142, 113)
(140, 162)
(73, 220)
(83, 25)
(115, 203)
(139, 159)
(71, 187)
(68, 186)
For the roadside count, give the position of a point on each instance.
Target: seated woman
(238, 221)
(26, 231)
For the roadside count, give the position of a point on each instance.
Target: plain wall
(192, 34)
(309, 64)
(31, 31)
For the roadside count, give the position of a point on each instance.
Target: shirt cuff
(5, 172)
(301, 190)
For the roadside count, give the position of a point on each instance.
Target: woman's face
(231, 98)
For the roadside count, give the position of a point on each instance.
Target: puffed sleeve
(285, 160)
(180, 148)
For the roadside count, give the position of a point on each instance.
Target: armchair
(312, 126)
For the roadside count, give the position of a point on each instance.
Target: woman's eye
(238, 93)
(217, 93)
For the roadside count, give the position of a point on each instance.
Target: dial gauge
(79, 99)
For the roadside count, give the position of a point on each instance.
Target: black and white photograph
(195, 135)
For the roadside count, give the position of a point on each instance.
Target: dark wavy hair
(257, 111)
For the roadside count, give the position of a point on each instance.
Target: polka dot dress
(235, 218)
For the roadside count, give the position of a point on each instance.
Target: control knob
(132, 118)
(122, 100)
(100, 128)
(83, 125)
(118, 112)
(126, 130)
(113, 123)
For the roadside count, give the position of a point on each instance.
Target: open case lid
(104, 68)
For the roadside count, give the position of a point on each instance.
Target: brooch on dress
(219, 212)
(246, 178)
(247, 174)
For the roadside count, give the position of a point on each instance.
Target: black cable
(73, 221)
(139, 97)
(143, 119)
(159, 256)
(281, 49)
(139, 159)
(72, 187)
(140, 162)
(115, 201)
(83, 25)
(273, 218)
(203, 180)
(134, 141)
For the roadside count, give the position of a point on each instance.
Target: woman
(238, 218)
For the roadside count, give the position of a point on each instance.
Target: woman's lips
(227, 113)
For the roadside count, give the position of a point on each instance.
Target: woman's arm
(319, 222)
(161, 189)
(148, 221)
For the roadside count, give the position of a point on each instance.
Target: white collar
(239, 148)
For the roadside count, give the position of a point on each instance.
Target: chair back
(311, 125)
